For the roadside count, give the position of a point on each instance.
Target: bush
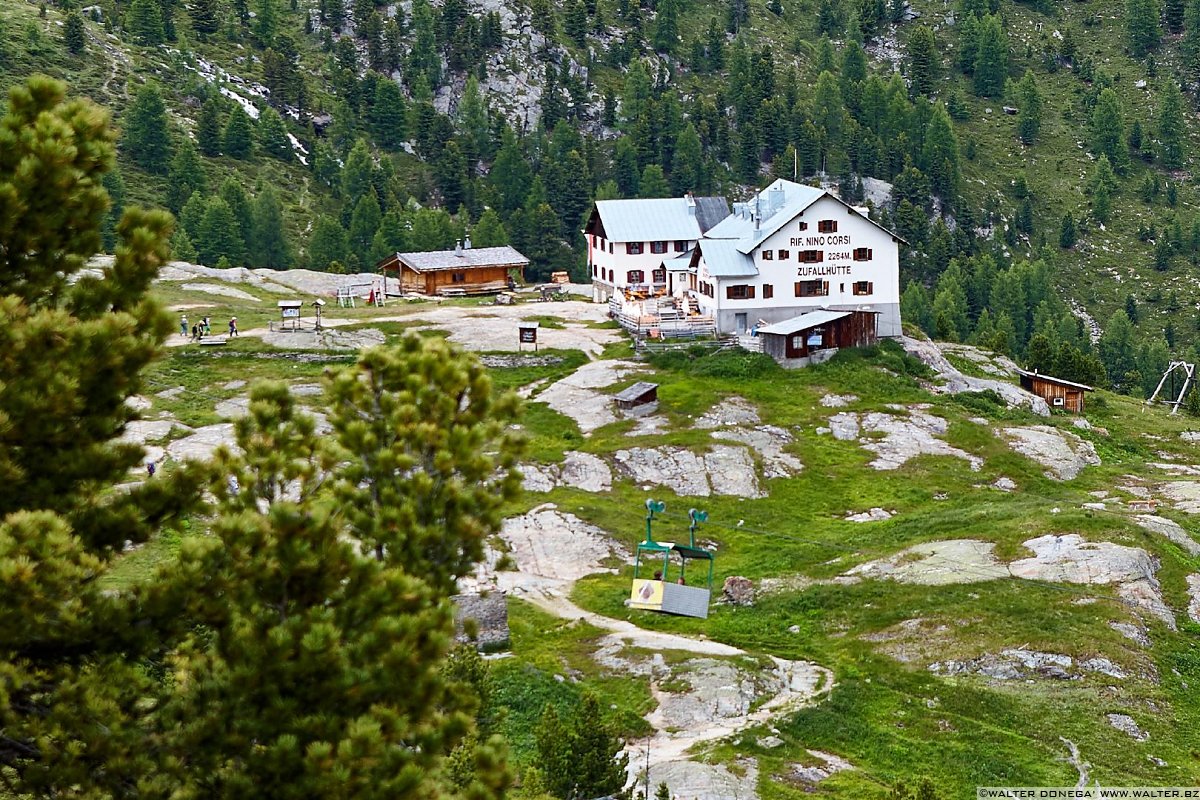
(701, 361)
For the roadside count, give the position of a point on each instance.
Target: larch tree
(1190, 46)
(238, 139)
(144, 22)
(74, 33)
(364, 222)
(220, 235)
(146, 138)
(489, 231)
(72, 654)
(268, 243)
(327, 244)
(272, 135)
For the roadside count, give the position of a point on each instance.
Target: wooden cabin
(814, 337)
(452, 273)
(1058, 393)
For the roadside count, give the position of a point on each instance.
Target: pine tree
(182, 248)
(1117, 351)
(1190, 46)
(575, 25)
(1108, 131)
(1142, 31)
(387, 114)
(1172, 131)
(1030, 98)
(1066, 232)
(272, 135)
(144, 22)
(186, 175)
(511, 175)
(666, 26)
(327, 244)
(687, 162)
(204, 14)
(473, 124)
(268, 243)
(423, 57)
(940, 157)
(922, 61)
(146, 139)
(208, 128)
(238, 139)
(235, 197)
(266, 22)
(1173, 13)
(653, 183)
(219, 235)
(489, 231)
(74, 676)
(74, 35)
(364, 222)
(991, 60)
(358, 171)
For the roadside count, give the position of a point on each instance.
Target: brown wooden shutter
(749, 292)
(825, 288)
(729, 293)
(870, 287)
(797, 288)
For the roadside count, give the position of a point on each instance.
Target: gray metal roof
(466, 258)
(778, 204)
(723, 259)
(803, 322)
(679, 263)
(636, 391)
(660, 218)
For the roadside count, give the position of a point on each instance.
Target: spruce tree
(272, 135)
(266, 22)
(1142, 31)
(358, 171)
(1173, 14)
(204, 14)
(666, 26)
(74, 34)
(687, 162)
(1030, 99)
(387, 114)
(114, 184)
(575, 25)
(74, 652)
(1108, 131)
(364, 222)
(1066, 232)
(922, 61)
(1190, 46)
(653, 183)
(208, 127)
(991, 58)
(489, 231)
(220, 235)
(238, 139)
(144, 22)
(511, 175)
(146, 139)
(940, 157)
(326, 244)
(186, 175)
(1172, 131)
(268, 243)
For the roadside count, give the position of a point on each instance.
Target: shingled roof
(463, 258)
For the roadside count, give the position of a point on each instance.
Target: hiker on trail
(150, 468)
(207, 327)
(195, 333)
(183, 326)
(233, 326)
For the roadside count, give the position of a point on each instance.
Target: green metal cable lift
(662, 592)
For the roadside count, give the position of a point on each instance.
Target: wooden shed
(1058, 393)
(817, 335)
(640, 398)
(461, 271)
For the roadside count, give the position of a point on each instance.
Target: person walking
(183, 325)
(233, 326)
(196, 333)
(207, 326)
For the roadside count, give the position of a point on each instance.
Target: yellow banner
(646, 594)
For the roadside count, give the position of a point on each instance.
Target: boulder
(1170, 530)
(738, 591)
(1064, 454)
(955, 382)
(730, 412)
(1126, 724)
(1193, 587)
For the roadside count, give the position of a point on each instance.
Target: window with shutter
(810, 256)
(827, 226)
(635, 276)
(768, 255)
(768, 291)
(633, 248)
(862, 254)
(863, 288)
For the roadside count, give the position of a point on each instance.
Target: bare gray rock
(844, 426)
(1169, 529)
(1134, 633)
(141, 431)
(138, 403)
(1126, 724)
(575, 396)
(731, 471)
(1193, 588)
(1104, 667)
(829, 765)
(203, 442)
(905, 439)
(729, 413)
(1184, 495)
(538, 540)
(955, 382)
(223, 291)
(578, 470)
(935, 563)
(872, 515)
(738, 591)
(233, 408)
(838, 400)
(327, 339)
(697, 780)
(1004, 484)
(768, 441)
(1064, 454)
(677, 468)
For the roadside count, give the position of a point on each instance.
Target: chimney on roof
(691, 203)
(467, 243)
(458, 248)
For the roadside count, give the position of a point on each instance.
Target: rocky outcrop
(738, 591)
(953, 381)
(935, 563)
(1193, 589)
(768, 441)
(203, 442)
(538, 540)
(1063, 453)
(725, 469)
(583, 471)
(1126, 724)
(1170, 530)
(904, 438)
(1019, 663)
(730, 412)
(575, 396)
(481, 620)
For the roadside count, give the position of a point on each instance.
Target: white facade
(796, 251)
(629, 241)
(631, 265)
